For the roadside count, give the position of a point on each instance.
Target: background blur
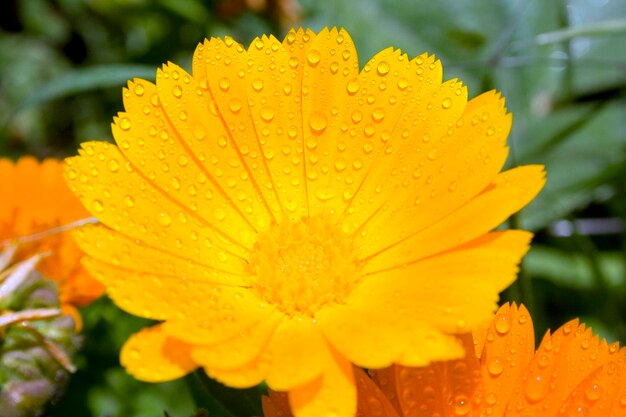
(561, 64)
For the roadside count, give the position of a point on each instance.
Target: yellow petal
(246, 376)
(163, 297)
(509, 192)
(378, 336)
(131, 204)
(221, 66)
(446, 161)
(239, 349)
(333, 393)
(152, 356)
(330, 62)
(111, 247)
(298, 352)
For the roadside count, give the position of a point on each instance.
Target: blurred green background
(560, 63)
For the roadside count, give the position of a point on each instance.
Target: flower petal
(246, 376)
(378, 336)
(239, 349)
(371, 400)
(332, 393)
(563, 361)
(298, 351)
(137, 208)
(424, 180)
(152, 356)
(161, 297)
(509, 192)
(505, 347)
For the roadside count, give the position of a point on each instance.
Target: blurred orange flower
(36, 204)
(284, 214)
(572, 373)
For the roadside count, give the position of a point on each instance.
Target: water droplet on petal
(503, 323)
(164, 219)
(383, 68)
(536, 389)
(267, 114)
(317, 122)
(313, 57)
(495, 366)
(446, 103)
(124, 123)
(113, 165)
(177, 91)
(139, 90)
(97, 206)
(129, 201)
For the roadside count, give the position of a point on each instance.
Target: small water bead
(164, 219)
(352, 87)
(503, 323)
(313, 57)
(491, 130)
(235, 105)
(224, 84)
(378, 114)
(403, 83)
(257, 85)
(129, 201)
(177, 91)
(199, 132)
(267, 114)
(495, 366)
(462, 405)
(182, 115)
(97, 206)
(124, 123)
(139, 89)
(357, 116)
(318, 122)
(113, 165)
(383, 68)
(446, 103)
(432, 155)
(536, 389)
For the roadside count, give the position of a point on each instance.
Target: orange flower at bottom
(35, 201)
(572, 373)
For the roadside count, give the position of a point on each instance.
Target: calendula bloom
(285, 214)
(36, 206)
(571, 373)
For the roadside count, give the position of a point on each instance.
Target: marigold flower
(36, 199)
(284, 214)
(571, 373)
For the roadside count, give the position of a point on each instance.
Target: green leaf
(86, 79)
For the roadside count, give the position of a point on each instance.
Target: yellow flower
(35, 199)
(572, 373)
(284, 214)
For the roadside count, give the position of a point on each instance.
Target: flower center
(303, 266)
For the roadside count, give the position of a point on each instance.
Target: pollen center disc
(303, 266)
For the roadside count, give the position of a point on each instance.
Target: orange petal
(372, 402)
(505, 349)
(152, 356)
(276, 404)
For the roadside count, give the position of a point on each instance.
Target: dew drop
(97, 206)
(495, 366)
(536, 389)
(267, 114)
(257, 85)
(378, 114)
(125, 123)
(113, 165)
(491, 130)
(139, 90)
(164, 219)
(177, 91)
(129, 201)
(313, 57)
(432, 155)
(383, 68)
(462, 405)
(199, 132)
(403, 83)
(234, 105)
(224, 84)
(183, 160)
(352, 86)
(317, 122)
(503, 323)
(446, 103)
